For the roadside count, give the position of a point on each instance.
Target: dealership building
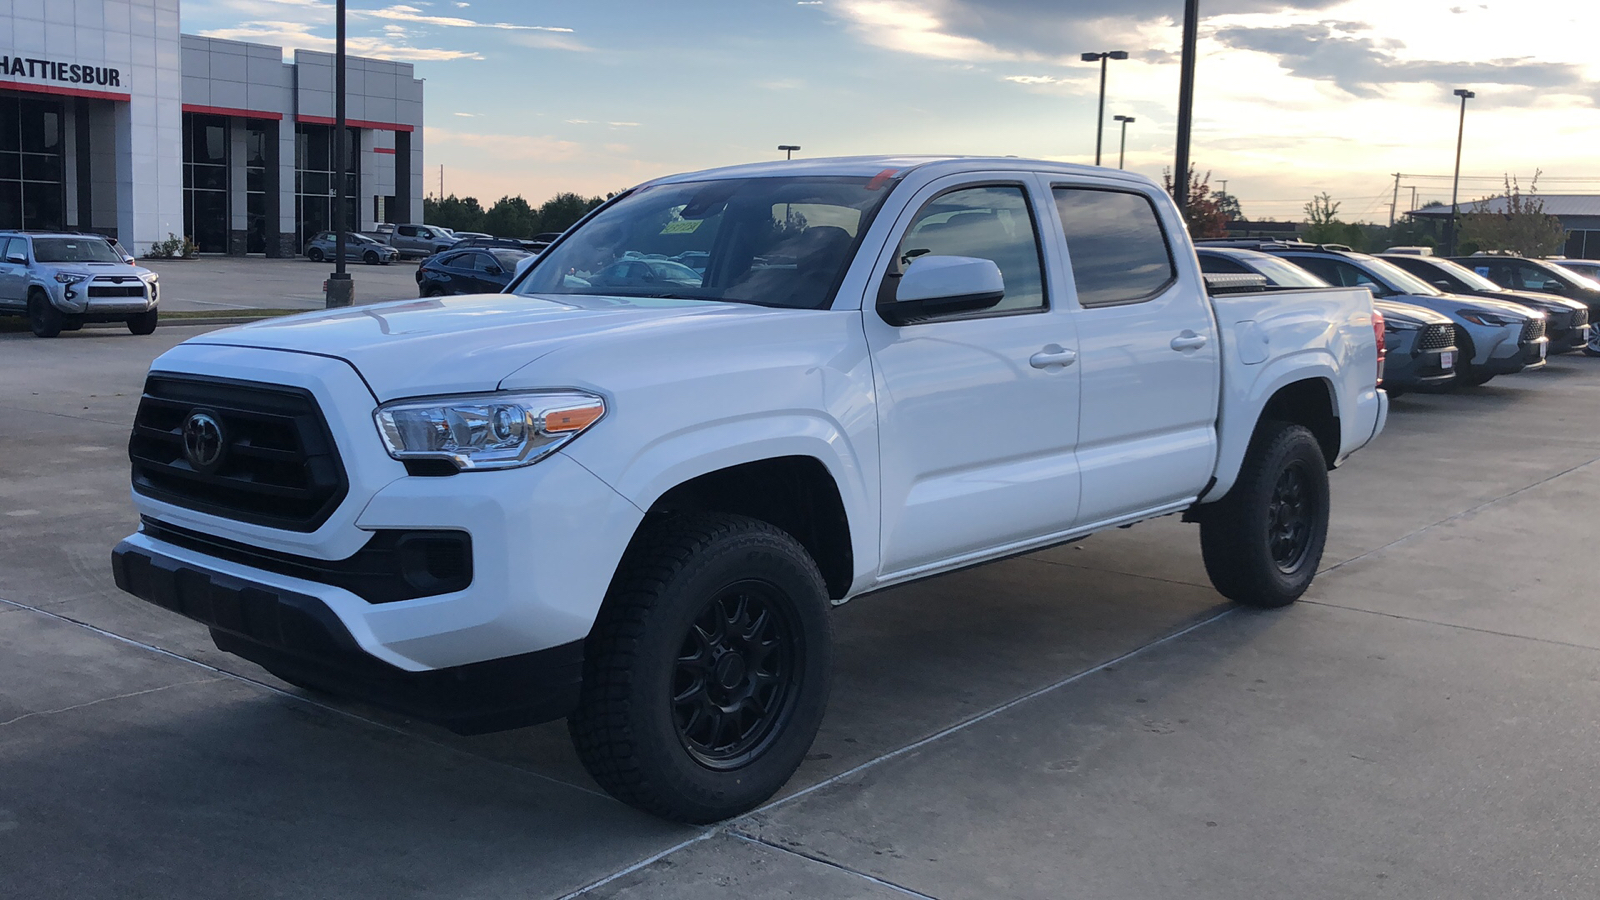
(113, 121)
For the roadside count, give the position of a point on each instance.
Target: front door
(13, 277)
(977, 411)
(1148, 355)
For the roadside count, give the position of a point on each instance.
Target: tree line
(1524, 227)
(511, 217)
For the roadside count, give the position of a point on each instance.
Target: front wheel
(143, 323)
(44, 320)
(706, 673)
(370, 257)
(1262, 543)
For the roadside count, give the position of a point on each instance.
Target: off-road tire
(315, 254)
(1237, 533)
(44, 320)
(676, 577)
(143, 323)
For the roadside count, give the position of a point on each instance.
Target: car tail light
(1377, 332)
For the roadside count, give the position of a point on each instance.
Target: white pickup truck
(627, 491)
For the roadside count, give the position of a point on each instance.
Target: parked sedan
(1541, 277)
(356, 247)
(1420, 344)
(1566, 320)
(468, 271)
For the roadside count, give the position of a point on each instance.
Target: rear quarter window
(1118, 249)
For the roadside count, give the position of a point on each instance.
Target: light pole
(1191, 31)
(1455, 188)
(1100, 120)
(341, 290)
(1122, 151)
(788, 150)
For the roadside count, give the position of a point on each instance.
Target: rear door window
(1118, 250)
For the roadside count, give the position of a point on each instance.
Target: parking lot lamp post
(788, 150)
(1180, 169)
(1122, 151)
(341, 290)
(1100, 119)
(1455, 188)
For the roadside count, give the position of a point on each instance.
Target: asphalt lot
(227, 283)
(1090, 721)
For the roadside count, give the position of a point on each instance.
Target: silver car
(61, 281)
(356, 247)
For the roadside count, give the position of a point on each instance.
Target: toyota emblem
(202, 441)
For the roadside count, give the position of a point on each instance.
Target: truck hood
(468, 343)
(99, 269)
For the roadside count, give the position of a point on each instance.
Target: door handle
(1189, 341)
(1053, 355)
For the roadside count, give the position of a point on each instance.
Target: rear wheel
(315, 254)
(44, 320)
(706, 673)
(1262, 543)
(143, 323)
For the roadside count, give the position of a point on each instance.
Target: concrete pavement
(1088, 721)
(227, 284)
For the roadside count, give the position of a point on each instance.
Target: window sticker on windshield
(682, 226)
(1481, 270)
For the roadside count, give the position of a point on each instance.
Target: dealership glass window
(205, 181)
(255, 187)
(32, 164)
(314, 184)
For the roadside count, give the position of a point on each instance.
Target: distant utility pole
(1394, 205)
(441, 182)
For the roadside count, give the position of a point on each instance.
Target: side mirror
(939, 285)
(494, 270)
(1377, 290)
(17, 259)
(1554, 287)
(1442, 284)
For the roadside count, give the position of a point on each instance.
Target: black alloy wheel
(1290, 518)
(1263, 541)
(730, 691)
(315, 254)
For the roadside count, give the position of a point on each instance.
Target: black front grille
(1436, 337)
(278, 467)
(1580, 318)
(96, 290)
(1532, 330)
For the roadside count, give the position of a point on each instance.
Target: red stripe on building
(388, 150)
(356, 123)
(229, 111)
(65, 91)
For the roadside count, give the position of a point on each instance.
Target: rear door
(977, 411)
(12, 276)
(1148, 353)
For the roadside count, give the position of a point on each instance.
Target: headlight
(151, 277)
(70, 277)
(1397, 325)
(1487, 319)
(487, 431)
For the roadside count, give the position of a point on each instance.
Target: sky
(1293, 97)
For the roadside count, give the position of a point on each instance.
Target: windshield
(1284, 273)
(62, 250)
(1399, 279)
(769, 241)
(1473, 279)
(1578, 279)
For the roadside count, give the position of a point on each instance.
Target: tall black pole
(1455, 187)
(1122, 151)
(1191, 31)
(1100, 120)
(340, 290)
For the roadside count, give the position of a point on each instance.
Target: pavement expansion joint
(1422, 621)
(750, 839)
(705, 834)
(66, 709)
(225, 674)
(41, 412)
(1460, 515)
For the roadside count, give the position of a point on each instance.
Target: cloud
(512, 147)
(1034, 79)
(1345, 54)
(466, 115)
(298, 35)
(552, 42)
(403, 13)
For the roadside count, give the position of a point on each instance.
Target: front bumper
(1407, 368)
(1529, 355)
(298, 637)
